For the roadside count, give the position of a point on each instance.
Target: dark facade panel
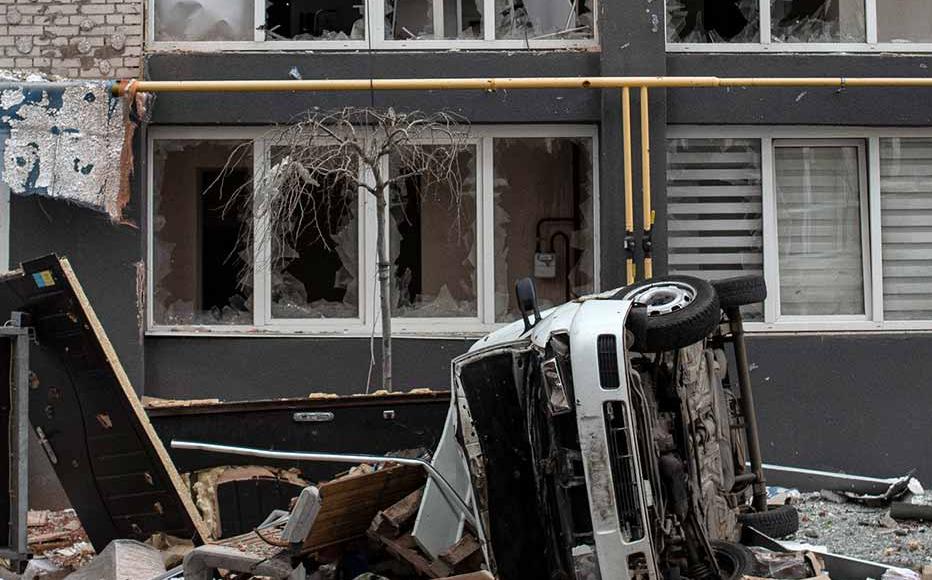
(238, 369)
(799, 106)
(549, 106)
(851, 403)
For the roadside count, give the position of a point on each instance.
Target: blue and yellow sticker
(44, 279)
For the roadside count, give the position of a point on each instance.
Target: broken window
(200, 275)
(819, 228)
(315, 19)
(319, 276)
(713, 20)
(714, 209)
(433, 19)
(194, 20)
(544, 19)
(904, 20)
(432, 232)
(543, 201)
(818, 20)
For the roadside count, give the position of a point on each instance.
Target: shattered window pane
(714, 210)
(432, 232)
(544, 19)
(818, 20)
(319, 276)
(713, 20)
(433, 19)
(315, 20)
(818, 195)
(200, 274)
(213, 20)
(543, 220)
(904, 20)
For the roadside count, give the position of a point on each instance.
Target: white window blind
(906, 221)
(819, 227)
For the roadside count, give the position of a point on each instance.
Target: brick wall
(72, 38)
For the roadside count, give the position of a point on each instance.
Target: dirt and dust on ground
(58, 537)
(859, 531)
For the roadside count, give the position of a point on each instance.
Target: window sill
(346, 332)
(590, 45)
(845, 327)
(784, 48)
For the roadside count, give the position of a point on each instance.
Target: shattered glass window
(904, 21)
(201, 274)
(818, 21)
(818, 193)
(432, 233)
(544, 19)
(433, 19)
(715, 210)
(318, 277)
(543, 212)
(204, 20)
(713, 20)
(315, 20)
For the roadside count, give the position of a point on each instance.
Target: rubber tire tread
(740, 291)
(778, 522)
(680, 328)
(742, 556)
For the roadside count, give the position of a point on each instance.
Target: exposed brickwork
(72, 38)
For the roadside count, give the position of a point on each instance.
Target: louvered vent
(608, 362)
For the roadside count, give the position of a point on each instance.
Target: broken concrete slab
(123, 560)
(89, 420)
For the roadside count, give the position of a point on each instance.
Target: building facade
(823, 191)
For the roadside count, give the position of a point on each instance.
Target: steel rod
(432, 472)
(629, 183)
(492, 84)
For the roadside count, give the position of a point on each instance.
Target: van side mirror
(526, 294)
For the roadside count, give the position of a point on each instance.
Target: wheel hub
(664, 297)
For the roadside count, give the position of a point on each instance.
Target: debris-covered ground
(59, 537)
(867, 533)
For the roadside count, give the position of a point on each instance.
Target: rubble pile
(57, 536)
(859, 531)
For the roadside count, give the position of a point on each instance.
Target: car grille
(608, 361)
(624, 474)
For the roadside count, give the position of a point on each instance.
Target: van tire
(686, 325)
(740, 291)
(734, 560)
(778, 522)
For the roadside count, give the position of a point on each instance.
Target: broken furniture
(14, 445)
(88, 418)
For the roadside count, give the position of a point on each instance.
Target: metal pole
(629, 184)
(335, 458)
(492, 84)
(648, 222)
(747, 408)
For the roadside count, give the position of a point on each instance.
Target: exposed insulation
(65, 143)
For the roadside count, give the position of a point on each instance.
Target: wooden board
(114, 468)
(349, 504)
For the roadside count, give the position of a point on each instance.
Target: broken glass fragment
(544, 19)
(818, 20)
(713, 21)
(433, 19)
(315, 20)
(204, 20)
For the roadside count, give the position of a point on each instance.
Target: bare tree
(320, 162)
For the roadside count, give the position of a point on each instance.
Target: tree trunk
(384, 269)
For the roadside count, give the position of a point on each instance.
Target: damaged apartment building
(823, 191)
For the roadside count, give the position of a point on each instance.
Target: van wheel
(734, 560)
(677, 311)
(778, 522)
(740, 291)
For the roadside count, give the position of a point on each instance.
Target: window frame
(367, 324)
(375, 33)
(871, 226)
(871, 43)
(4, 210)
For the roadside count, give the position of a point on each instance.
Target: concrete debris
(867, 533)
(44, 569)
(57, 536)
(123, 560)
(899, 488)
(66, 143)
(173, 549)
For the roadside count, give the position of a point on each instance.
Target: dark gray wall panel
(800, 106)
(857, 404)
(237, 369)
(104, 256)
(574, 106)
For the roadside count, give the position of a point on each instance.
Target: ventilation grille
(624, 474)
(608, 362)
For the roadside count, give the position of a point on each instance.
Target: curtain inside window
(819, 230)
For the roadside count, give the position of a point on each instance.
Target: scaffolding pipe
(648, 221)
(492, 84)
(629, 183)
